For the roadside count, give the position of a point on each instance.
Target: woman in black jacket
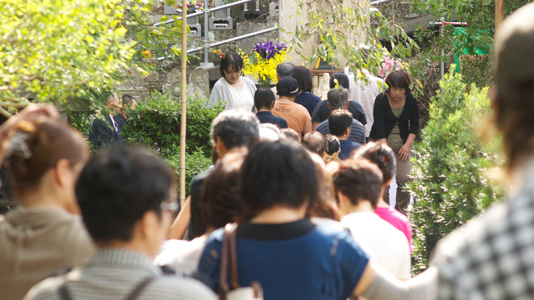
(396, 123)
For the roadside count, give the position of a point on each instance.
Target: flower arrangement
(262, 62)
(193, 6)
(389, 65)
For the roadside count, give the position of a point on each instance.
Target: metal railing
(206, 13)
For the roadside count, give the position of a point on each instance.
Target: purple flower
(269, 50)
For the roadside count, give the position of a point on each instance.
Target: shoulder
(177, 287)
(356, 105)
(219, 84)
(249, 83)
(462, 243)
(357, 123)
(46, 289)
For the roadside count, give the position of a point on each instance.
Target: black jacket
(385, 120)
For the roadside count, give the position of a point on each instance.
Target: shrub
(156, 123)
(195, 163)
(450, 182)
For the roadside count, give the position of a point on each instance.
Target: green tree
(335, 26)
(468, 43)
(51, 48)
(450, 172)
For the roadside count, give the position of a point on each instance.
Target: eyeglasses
(169, 206)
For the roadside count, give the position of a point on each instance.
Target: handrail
(207, 10)
(237, 38)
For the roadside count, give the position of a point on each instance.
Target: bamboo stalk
(184, 103)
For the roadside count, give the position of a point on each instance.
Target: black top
(385, 120)
(274, 231)
(103, 133)
(196, 224)
(308, 100)
(322, 112)
(268, 117)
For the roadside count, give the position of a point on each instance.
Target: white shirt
(365, 94)
(181, 255)
(386, 245)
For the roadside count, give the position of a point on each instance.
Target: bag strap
(228, 261)
(234, 279)
(65, 294)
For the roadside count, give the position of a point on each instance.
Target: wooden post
(499, 13)
(184, 102)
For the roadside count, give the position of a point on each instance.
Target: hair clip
(336, 82)
(220, 53)
(18, 145)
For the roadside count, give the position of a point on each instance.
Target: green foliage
(450, 174)
(335, 26)
(476, 39)
(195, 162)
(52, 47)
(156, 123)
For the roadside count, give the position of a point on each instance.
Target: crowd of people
(284, 213)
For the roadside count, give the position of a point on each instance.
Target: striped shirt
(113, 274)
(357, 133)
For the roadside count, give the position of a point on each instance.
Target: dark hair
(290, 134)
(338, 98)
(277, 174)
(332, 144)
(342, 79)
(233, 60)
(284, 69)
(399, 79)
(219, 196)
(235, 128)
(263, 98)
(338, 121)
(42, 143)
(358, 180)
(315, 142)
(127, 99)
(381, 155)
(304, 78)
(117, 187)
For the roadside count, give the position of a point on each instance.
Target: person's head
(284, 163)
(513, 100)
(284, 70)
(398, 84)
(129, 101)
(263, 98)
(315, 142)
(332, 144)
(357, 181)
(382, 156)
(219, 202)
(304, 79)
(338, 98)
(234, 128)
(269, 132)
(231, 66)
(114, 102)
(339, 122)
(287, 87)
(341, 78)
(43, 154)
(125, 194)
(290, 134)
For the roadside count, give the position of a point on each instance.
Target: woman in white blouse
(233, 89)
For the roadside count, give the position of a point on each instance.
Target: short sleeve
(209, 264)
(316, 115)
(352, 261)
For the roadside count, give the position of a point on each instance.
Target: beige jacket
(37, 242)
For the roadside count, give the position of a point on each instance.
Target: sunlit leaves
(50, 48)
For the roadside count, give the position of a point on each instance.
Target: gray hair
(284, 69)
(338, 98)
(235, 128)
